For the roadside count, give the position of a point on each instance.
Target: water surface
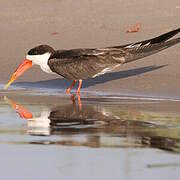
(54, 136)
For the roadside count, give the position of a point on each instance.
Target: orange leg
(79, 102)
(68, 90)
(79, 87)
(73, 98)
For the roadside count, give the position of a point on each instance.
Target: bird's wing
(85, 63)
(159, 39)
(148, 47)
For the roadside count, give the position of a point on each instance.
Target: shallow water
(53, 136)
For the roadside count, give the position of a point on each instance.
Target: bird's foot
(78, 92)
(68, 90)
(79, 102)
(73, 98)
(78, 98)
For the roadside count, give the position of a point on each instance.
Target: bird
(83, 63)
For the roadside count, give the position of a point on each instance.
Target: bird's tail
(148, 47)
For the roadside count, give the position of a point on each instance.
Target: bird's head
(38, 55)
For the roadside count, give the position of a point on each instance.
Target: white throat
(41, 60)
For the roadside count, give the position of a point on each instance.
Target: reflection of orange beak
(25, 65)
(21, 110)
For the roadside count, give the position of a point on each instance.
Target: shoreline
(88, 97)
(85, 93)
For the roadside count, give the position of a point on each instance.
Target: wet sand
(88, 23)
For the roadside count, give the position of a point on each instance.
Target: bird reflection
(98, 125)
(37, 125)
(56, 120)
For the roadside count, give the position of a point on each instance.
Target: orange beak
(25, 65)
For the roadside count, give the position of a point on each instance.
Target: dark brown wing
(148, 47)
(85, 63)
(156, 40)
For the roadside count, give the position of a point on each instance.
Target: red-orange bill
(25, 65)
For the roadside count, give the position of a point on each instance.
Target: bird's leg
(79, 102)
(79, 87)
(73, 98)
(68, 90)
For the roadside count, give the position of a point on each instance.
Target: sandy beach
(89, 23)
